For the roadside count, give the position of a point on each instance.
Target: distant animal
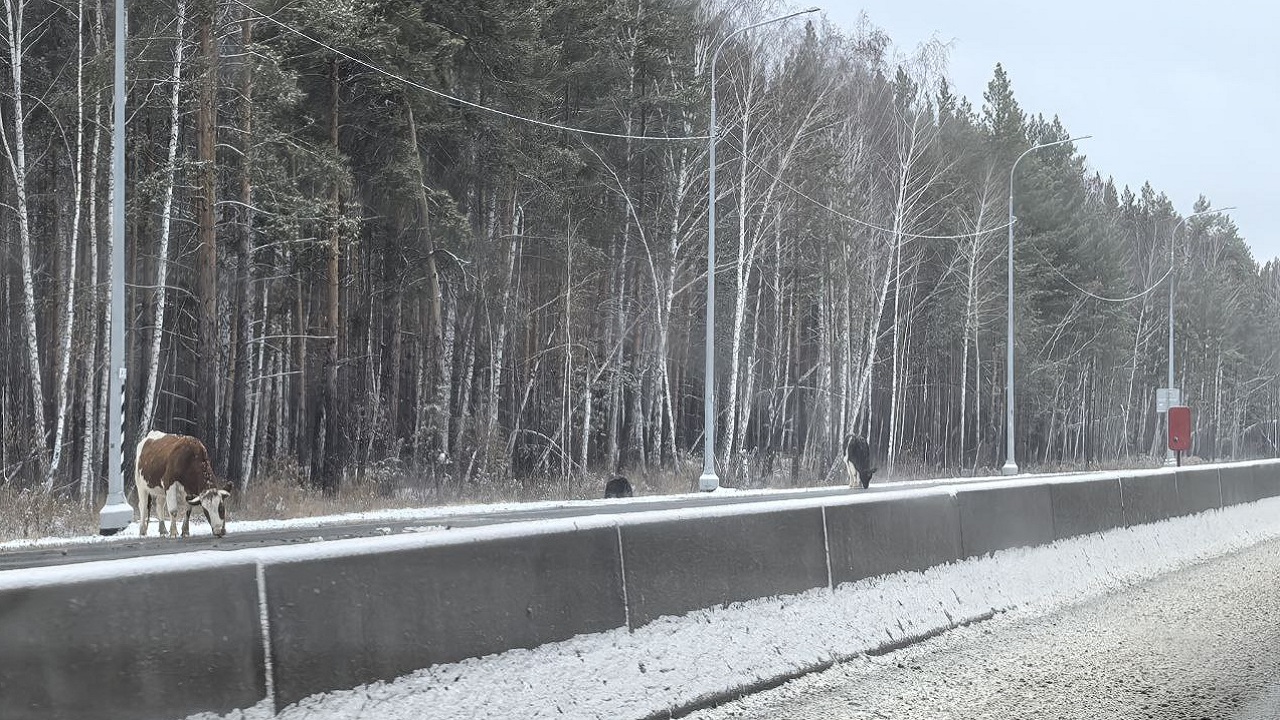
(173, 472)
(857, 461)
(618, 487)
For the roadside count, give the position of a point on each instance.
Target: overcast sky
(1184, 95)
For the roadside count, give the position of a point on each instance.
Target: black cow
(618, 487)
(857, 460)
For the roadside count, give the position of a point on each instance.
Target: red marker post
(1179, 430)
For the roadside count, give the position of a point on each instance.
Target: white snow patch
(676, 661)
(439, 515)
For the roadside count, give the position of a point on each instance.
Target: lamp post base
(114, 518)
(708, 481)
(1009, 468)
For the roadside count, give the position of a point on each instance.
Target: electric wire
(859, 221)
(1005, 226)
(447, 96)
(1082, 291)
(674, 138)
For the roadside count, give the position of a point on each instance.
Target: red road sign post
(1179, 430)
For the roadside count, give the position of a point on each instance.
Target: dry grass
(33, 514)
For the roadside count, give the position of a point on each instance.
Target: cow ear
(224, 493)
(193, 499)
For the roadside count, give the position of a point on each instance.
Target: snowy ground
(428, 515)
(679, 662)
(1196, 643)
(431, 517)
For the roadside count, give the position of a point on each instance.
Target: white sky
(1181, 94)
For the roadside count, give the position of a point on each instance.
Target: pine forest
(460, 246)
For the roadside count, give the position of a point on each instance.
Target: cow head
(865, 476)
(213, 502)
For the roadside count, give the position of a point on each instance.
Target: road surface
(1203, 642)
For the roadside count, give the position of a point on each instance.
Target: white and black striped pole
(117, 512)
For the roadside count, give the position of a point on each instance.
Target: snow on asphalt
(1196, 643)
(200, 528)
(442, 513)
(676, 662)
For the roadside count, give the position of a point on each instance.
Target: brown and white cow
(173, 471)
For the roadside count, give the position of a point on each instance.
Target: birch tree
(13, 136)
(159, 293)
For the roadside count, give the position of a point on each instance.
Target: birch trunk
(166, 215)
(241, 421)
(65, 369)
(895, 358)
(16, 153)
(89, 463)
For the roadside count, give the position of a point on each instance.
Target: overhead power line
(852, 219)
(447, 96)
(1082, 291)
(873, 226)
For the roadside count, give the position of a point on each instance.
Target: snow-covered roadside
(431, 517)
(427, 515)
(675, 662)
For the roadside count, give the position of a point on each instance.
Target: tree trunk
(65, 365)
(16, 151)
(241, 421)
(324, 459)
(205, 200)
(166, 216)
(438, 420)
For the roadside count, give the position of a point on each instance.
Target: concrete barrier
(1148, 498)
(891, 535)
(165, 637)
(675, 566)
(1239, 485)
(1267, 479)
(1080, 508)
(128, 643)
(342, 621)
(999, 518)
(1199, 489)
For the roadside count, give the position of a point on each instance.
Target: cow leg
(144, 503)
(144, 511)
(174, 500)
(186, 523)
(162, 512)
(852, 472)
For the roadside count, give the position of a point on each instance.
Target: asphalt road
(234, 540)
(1203, 642)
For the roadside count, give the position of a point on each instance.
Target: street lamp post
(1010, 464)
(1169, 458)
(117, 513)
(709, 480)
